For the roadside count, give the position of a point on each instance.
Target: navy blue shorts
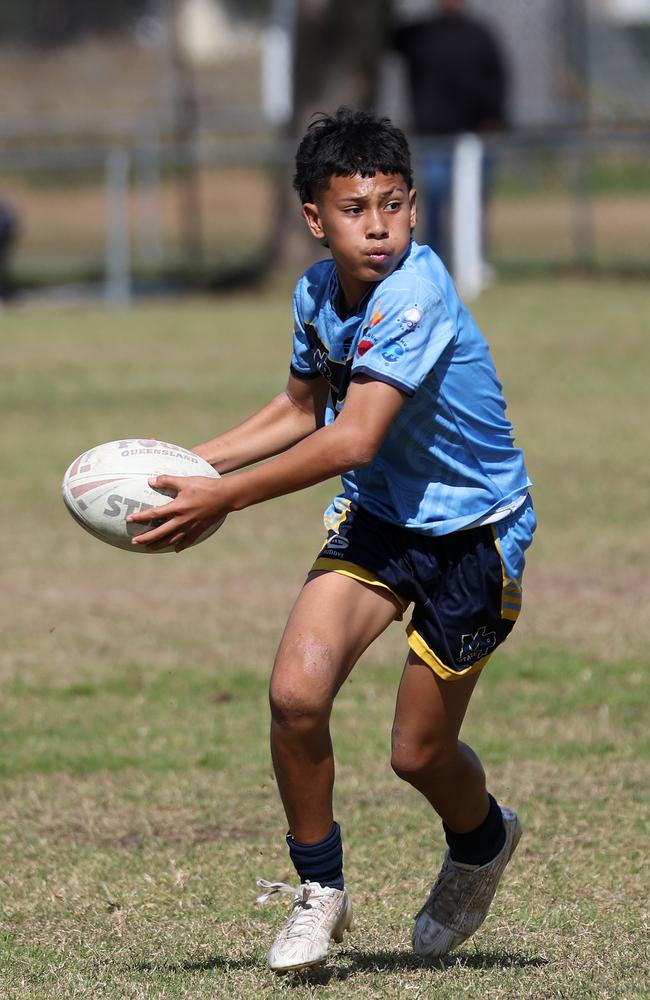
(465, 587)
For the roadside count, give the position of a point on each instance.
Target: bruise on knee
(317, 660)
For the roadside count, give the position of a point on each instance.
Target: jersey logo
(320, 360)
(393, 352)
(337, 542)
(410, 319)
(376, 316)
(474, 647)
(364, 345)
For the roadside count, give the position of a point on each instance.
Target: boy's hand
(198, 503)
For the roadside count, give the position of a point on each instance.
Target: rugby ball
(107, 483)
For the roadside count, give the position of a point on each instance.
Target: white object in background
(277, 63)
(204, 31)
(466, 212)
(276, 75)
(628, 11)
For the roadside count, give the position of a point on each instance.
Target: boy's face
(367, 223)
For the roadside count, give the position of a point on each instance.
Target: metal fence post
(584, 240)
(117, 278)
(148, 180)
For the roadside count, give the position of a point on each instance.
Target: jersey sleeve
(302, 360)
(406, 332)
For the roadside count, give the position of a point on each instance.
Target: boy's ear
(312, 217)
(413, 218)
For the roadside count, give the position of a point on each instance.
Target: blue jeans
(435, 171)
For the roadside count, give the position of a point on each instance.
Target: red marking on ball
(78, 491)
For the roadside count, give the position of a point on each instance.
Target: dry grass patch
(138, 800)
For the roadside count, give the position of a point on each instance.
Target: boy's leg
(333, 621)
(426, 750)
(481, 836)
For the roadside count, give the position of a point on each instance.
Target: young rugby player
(392, 387)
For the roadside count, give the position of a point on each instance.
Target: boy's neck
(350, 295)
(344, 308)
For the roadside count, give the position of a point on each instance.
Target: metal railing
(533, 168)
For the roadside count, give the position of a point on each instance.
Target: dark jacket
(457, 75)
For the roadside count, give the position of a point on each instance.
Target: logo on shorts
(337, 542)
(475, 647)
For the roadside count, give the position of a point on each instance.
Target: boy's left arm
(350, 442)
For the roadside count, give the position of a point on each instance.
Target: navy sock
(480, 845)
(322, 862)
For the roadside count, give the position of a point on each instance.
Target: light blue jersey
(448, 460)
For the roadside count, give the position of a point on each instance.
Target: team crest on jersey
(410, 319)
(320, 360)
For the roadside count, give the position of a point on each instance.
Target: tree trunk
(337, 58)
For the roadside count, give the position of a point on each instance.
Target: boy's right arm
(288, 418)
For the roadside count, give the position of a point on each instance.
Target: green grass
(138, 801)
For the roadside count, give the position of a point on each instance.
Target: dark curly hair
(346, 143)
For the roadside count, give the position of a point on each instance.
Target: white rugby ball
(107, 483)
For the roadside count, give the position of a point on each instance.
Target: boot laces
(305, 909)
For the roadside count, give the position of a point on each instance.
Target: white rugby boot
(319, 915)
(461, 897)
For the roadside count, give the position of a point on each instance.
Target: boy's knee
(411, 759)
(295, 709)
(302, 690)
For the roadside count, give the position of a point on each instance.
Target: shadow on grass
(392, 961)
(352, 963)
(198, 965)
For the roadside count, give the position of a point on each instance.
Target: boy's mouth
(378, 255)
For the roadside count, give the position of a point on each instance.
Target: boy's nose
(377, 228)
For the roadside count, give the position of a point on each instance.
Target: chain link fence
(129, 164)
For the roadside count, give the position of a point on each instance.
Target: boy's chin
(377, 272)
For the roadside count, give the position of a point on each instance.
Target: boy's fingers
(160, 483)
(152, 514)
(166, 482)
(165, 544)
(190, 538)
(159, 534)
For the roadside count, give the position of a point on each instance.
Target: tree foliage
(337, 58)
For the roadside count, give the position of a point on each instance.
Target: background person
(458, 84)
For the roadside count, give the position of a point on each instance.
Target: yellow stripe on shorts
(511, 593)
(427, 655)
(356, 572)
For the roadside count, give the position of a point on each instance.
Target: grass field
(138, 802)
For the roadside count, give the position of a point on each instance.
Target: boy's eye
(394, 205)
(352, 210)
